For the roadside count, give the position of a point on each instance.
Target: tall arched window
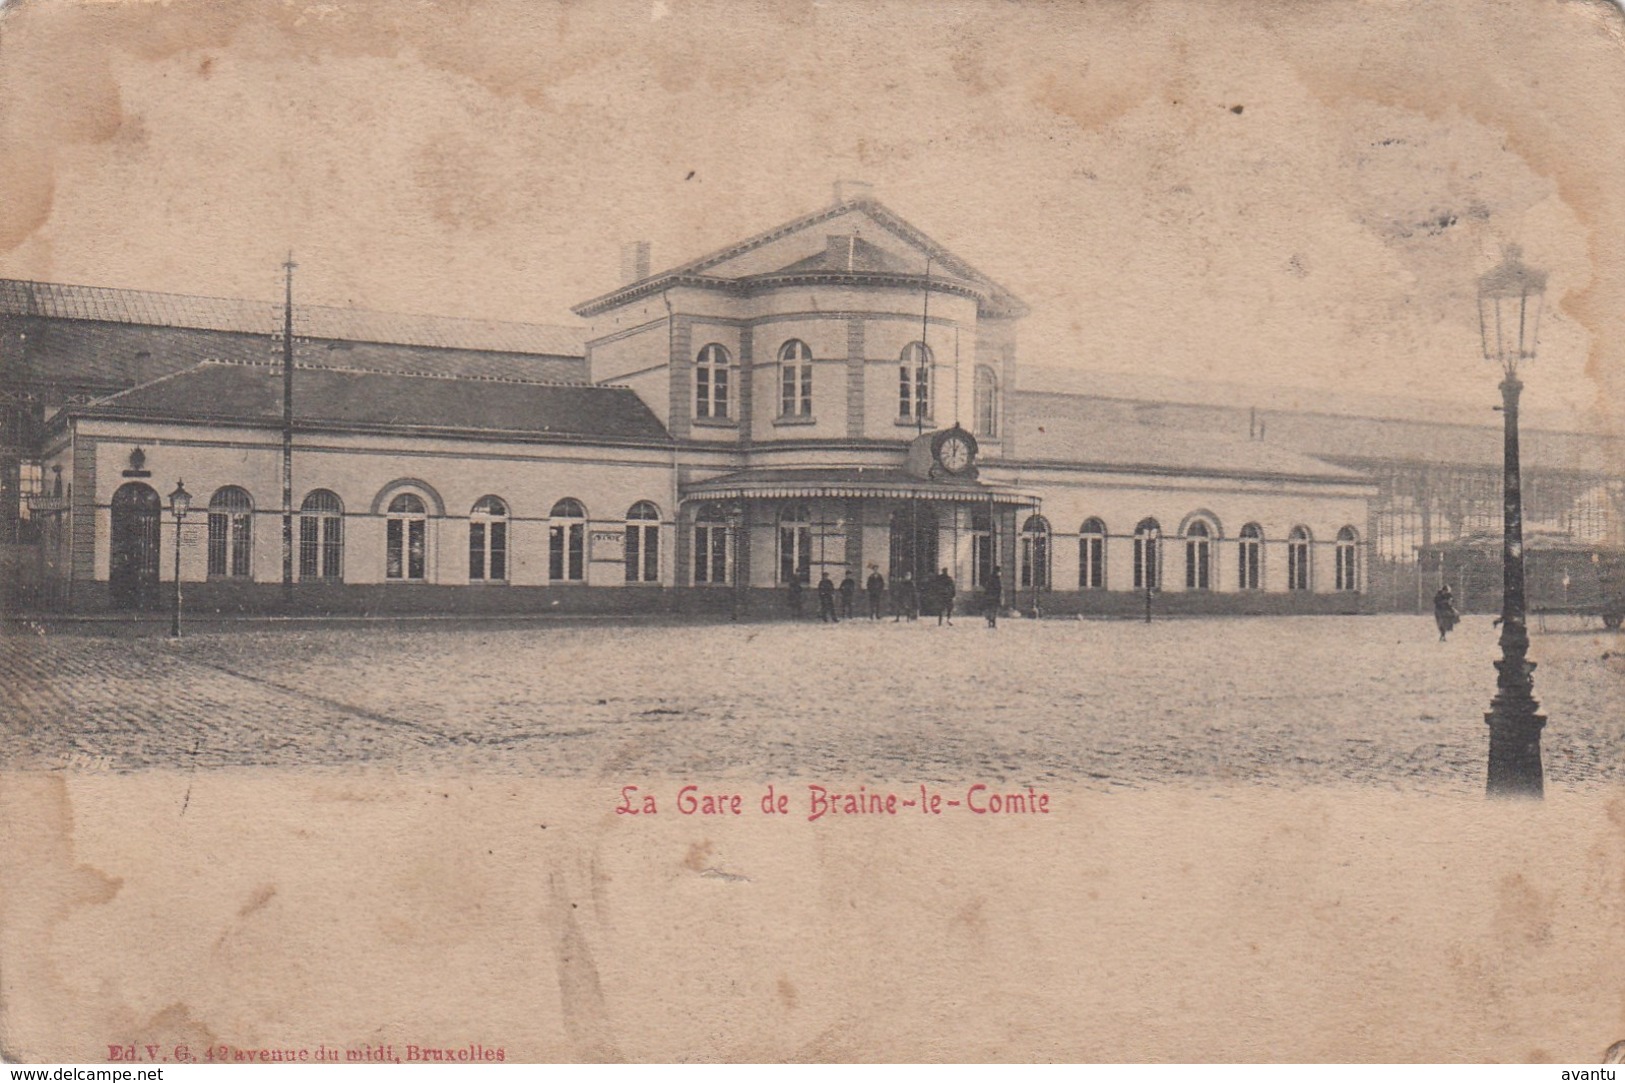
(795, 543)
(711, 534)
(406, 537)
(321, 536)
(1198, 555)
(795, 379)
(914, 382)
(1298, 572)
(642, 543)
(1092, 555)
(1035, 553)
(567, 542)
(1347, 559)
(1250, 559)
(711, 382)
(488, 540)
(1147, 562)
(987, 402)
(984, 548)
(231, 533)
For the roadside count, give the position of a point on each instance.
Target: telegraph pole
(287, 433)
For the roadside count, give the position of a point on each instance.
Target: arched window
(1347, 559)
(488, 540)
(987, 402)
(406, 537)
(231, 533)
(1249, 573)
(984, 547)
(914, 383)
(1092, 555)
(567, 542)
(711, 382)
(711, 534)
(321, 536)
(1198, 555)
(1035, 553)
(1147, 549)
(795, 543)
(1298, 571)
(642, 543)
(795, 379)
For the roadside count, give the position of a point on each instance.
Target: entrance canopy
(856, 481)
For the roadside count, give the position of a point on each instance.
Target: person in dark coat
(1444, 611)
(826, 599)
(849, 590)
(795, 595)
(993, 598)
(905, 603)
(945, 598)
(876, 589)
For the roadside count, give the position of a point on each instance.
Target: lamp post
(179, 501)
(1509, 304)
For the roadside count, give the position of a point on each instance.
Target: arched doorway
(913, 542)
(133, 571)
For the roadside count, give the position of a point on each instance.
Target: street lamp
(1509, 303)
(179, 501)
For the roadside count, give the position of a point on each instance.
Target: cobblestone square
(1373, 701)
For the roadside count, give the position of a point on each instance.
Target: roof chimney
(634, 262)
(853, 191)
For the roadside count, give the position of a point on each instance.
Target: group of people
(933, 595)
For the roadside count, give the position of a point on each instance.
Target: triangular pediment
(859, 237)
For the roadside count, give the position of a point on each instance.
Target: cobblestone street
(1374, 700)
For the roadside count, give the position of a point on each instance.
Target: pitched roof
(1158, 449)
(109, 305)
(389, 401)
(696, 272)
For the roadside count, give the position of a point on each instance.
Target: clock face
(955, 453)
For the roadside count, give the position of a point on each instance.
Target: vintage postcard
(812, 531)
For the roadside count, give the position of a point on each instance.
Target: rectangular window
(578, 550)
(702, 391)
(241, 526)
(1196, 565)
(1345, 567)
(642, 554)
(476, 550)
(1092, 563)
(217, 544)
(1146, 572)
(1248, 571)
(710, 554)
(310, 550)
(499, 550)
(719, 392)
(395, 530)
(416, 548)
(1297, 566)
(332, 547)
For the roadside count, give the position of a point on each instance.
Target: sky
(1274, 193)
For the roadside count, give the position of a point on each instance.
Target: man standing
(826, 599)
(993, 598)
(945, 598)
(875, 587)
(849, 590)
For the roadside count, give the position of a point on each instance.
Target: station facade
(831, 397)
